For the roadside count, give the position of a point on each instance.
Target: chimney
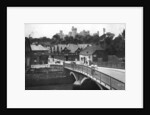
(103, 30)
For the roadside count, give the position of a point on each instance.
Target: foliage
(113, 46)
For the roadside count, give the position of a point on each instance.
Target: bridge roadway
(109, 77)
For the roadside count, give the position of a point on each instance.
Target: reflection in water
(88, 84)
(63, 83)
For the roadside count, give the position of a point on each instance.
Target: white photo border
(18, 97)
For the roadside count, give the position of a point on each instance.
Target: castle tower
(74, 31)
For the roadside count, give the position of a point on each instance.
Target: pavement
(115, 73)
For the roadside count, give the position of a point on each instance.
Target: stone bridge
(112, 79)
(81, 80)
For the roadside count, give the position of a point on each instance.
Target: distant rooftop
(72, 47)
(38, 47)
(90, 50)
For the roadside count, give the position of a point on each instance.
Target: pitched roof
(72, 47)
(83, 45)
(90, 50)
(39, 47)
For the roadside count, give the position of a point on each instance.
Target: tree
(123, 34)
(108, 39)
(57, 49)
(56, 39)
(95, 39)
(61, 50)
(119, 45)
(107, 43)
(54, 49)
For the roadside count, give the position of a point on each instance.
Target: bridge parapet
(108, 81)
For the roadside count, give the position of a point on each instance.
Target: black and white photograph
(74, 56)
(69, 57)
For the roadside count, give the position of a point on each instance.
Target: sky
(48, 30)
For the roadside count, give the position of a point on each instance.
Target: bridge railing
(117, 65)
(105, 80)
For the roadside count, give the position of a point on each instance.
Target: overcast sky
(48, 30)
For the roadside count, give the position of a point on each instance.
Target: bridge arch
(74, 75)
(86, 80)
(101, 88)
(89, 84)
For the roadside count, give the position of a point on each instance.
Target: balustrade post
(100, 77)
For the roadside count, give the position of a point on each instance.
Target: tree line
(113, 45)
